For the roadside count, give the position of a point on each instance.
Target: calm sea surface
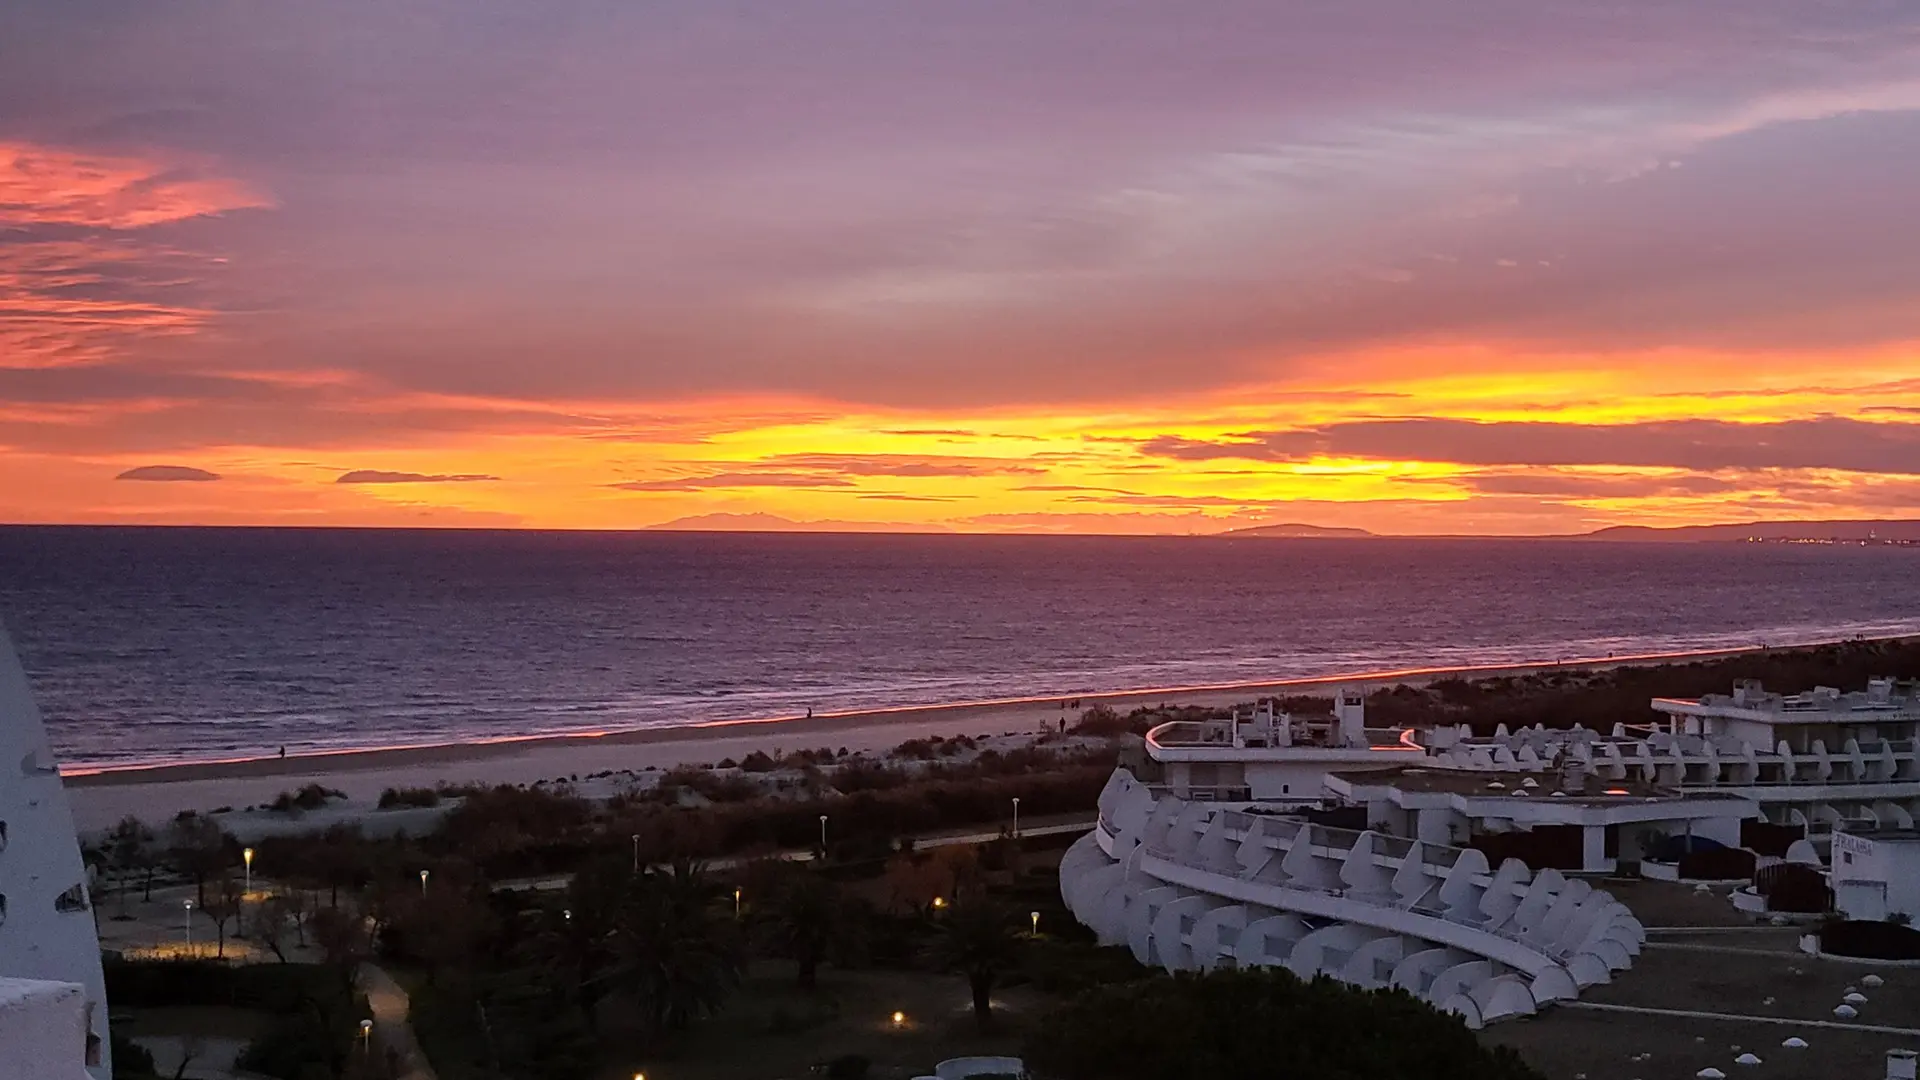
(179, 644)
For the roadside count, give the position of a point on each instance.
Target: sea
(161, 645)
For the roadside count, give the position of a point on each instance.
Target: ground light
(939, 901)
(899, 1018)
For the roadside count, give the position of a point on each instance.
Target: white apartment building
(1824, 760)
(1199, 865)
(52, 990)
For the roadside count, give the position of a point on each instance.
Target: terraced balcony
(1189, 886)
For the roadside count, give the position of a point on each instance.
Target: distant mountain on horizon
(1298, 530)
(1908, 530)
(723, 522)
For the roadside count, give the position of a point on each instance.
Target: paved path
(390, 1028)
(731, 862)
(1693, 1014)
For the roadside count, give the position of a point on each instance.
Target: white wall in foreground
(40, 1024)
(46, 928)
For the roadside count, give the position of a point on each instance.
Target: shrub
(131, 1061)
(848, 1067)
(310, 797)
(1202, 1027)
(393, 798)
(1870, 940)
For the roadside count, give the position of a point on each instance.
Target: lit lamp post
(366, 1037)
(736, 904)
(189, 928)
(823, 837)
(246, 856)
(1035, 916)
(423, 882)
(1016, 817)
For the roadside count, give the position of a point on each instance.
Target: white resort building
(1449, 864)
(53, 1001)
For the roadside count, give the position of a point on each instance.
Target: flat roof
(1493, 784)
(1885, 836)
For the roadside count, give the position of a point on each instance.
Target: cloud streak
(382, 476)
(1702, 445)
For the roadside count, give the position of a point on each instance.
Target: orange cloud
(47, 186)
(78, 284)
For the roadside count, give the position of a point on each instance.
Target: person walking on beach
(809, 712)
(283, 753)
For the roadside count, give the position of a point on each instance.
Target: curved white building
(1193, 886)
(47, 933)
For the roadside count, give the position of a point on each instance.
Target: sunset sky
(1481, 266)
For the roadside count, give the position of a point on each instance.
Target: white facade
(47, 931)
(1272, 757)
(40, 1024)
(1451, 806)
(1192, 886)
(1824, 760)
(1877, 874)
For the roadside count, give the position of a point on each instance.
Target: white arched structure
(46, 922)
(1188, 886)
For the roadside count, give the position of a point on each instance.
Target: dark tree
(1259, 1024)
(979, 939)
(806, 923)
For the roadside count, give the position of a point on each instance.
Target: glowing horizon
(986, 267)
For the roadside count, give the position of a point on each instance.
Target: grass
(1568, 1041)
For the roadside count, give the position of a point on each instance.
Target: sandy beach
(156, 793)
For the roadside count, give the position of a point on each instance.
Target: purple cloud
(168, 473)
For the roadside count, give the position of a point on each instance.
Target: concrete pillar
(1593, 848)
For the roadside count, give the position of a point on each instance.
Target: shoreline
(156, 793)
(840, 720)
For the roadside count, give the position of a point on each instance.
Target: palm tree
(670, 950)
(979, 939)
(807, 921)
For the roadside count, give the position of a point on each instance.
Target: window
(1847, 857)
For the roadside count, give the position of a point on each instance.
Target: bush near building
(1262, 1024)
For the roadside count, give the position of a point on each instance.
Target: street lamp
(736, 903)
(636, 853)
(423, 882)
(189, 928)
(1016, 817)
(1035, 916)
(823, 836)
(366, 1037)
(246, 856)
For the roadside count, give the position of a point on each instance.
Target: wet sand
(158, 792)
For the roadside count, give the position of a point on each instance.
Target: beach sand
(157, 793)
